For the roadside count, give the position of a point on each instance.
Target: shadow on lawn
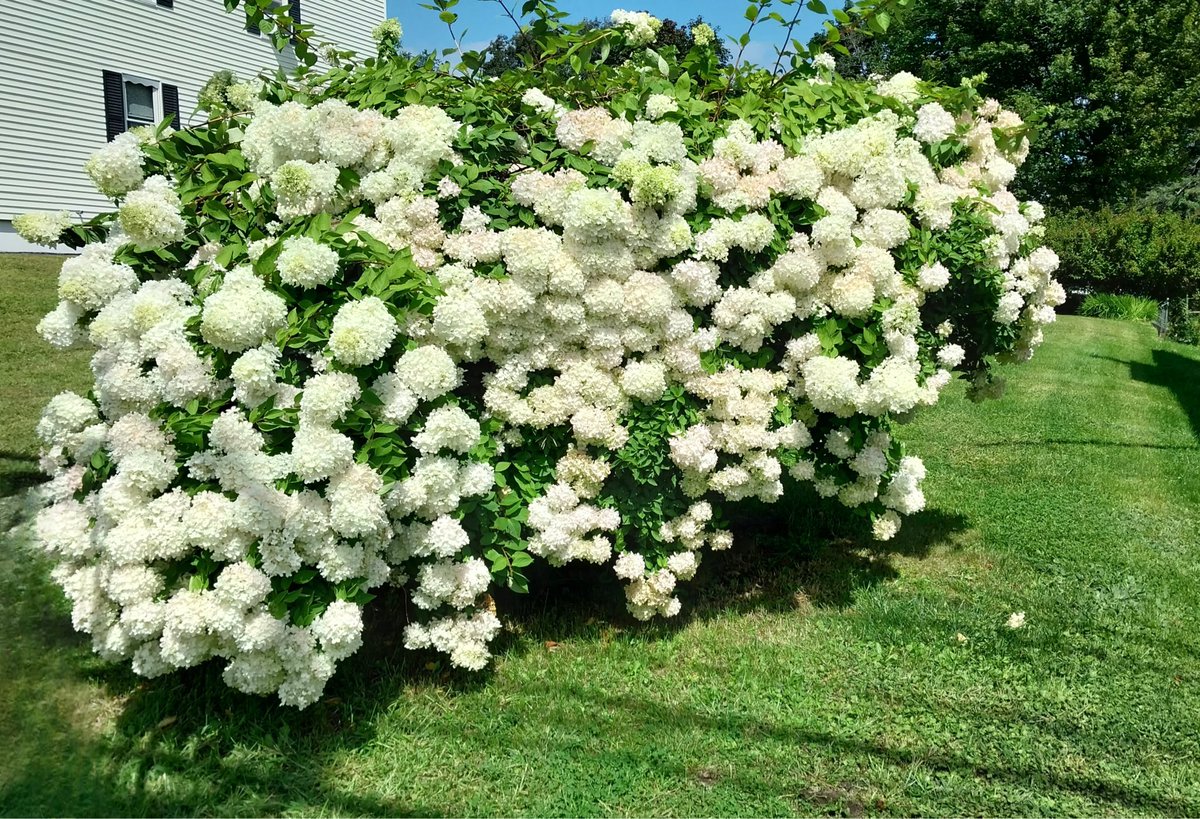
(223, 752)
(19, 474)
(794, 739)
(188, 745)
(816, 560)
(1178, 373)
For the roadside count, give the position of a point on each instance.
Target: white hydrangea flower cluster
(150, 215)
(116, 168)
(42, 227)
(642, 28)
(276, 435)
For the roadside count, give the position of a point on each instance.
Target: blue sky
(483, 20)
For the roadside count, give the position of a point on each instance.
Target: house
(78, 72)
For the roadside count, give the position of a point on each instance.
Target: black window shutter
(170, 104)
(114, 104)
(294, 13)
(166, 4)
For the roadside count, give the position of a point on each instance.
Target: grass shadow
(18, 472)
(797, 739)
(808, 562)
(1178, 373)
(187, 744)
(193, 731)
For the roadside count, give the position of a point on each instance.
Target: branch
(508, 13)
(787, 38)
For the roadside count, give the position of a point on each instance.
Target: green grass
(1122, 307)
(833, 684)
(31, 371)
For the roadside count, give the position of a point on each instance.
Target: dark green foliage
(1112, 82)
(1137, 252)
(1181, 196)
(1182, 324)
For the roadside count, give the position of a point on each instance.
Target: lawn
(847, 681)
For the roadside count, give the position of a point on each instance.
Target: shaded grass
(31, 371)
(832, 681)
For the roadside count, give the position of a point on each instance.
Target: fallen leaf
(167, 721)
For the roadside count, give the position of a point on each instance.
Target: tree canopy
(1112, 84)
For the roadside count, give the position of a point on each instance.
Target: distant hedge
(1139, 252)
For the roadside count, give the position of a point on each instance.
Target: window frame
(157, 97)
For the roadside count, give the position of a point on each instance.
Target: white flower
(641, 27)
(92, 279)
(428, 372)
(1016, 620)
(659, 105)
(116, 168)
(1009, 308)
(703, 34)
(305, 262)
(933, 277)
(630, 566)
(950, 356)
(901, 86)
(536, 99)
(327, 397)
(934, 123)
(831, 384)
(886, 525)
(242, 313)
(647, 305)
(824, 61)
(42, 227)
(303, 188)
(644, 380)
(448, 428)
(150, 215)
(362, 331)
(339, 629)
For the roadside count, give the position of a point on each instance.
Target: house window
(130, 102)
(142, 103)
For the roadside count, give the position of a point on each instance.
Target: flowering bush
(398, 325)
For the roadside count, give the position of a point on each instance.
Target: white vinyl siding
(52, 90)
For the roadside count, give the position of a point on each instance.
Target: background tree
(1113, 84)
